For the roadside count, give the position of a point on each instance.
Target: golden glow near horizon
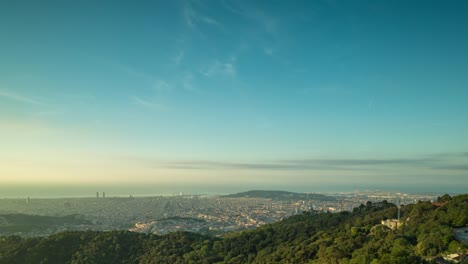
(35, 152)
(159, 96)
(54, 167)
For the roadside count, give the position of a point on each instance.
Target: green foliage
(281, 195)
(342, 238)
(28, 223)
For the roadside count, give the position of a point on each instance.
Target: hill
(281, 195)
(348, 237)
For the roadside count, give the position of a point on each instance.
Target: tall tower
(103, 194)
(97, 195)
(27, 201)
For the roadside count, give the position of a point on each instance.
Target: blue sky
(234, 91)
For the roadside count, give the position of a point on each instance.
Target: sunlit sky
(297, 92)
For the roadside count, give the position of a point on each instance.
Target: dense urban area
(427, 231)
(214, 215)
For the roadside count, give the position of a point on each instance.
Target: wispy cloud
(312, 164)
(154, 83)
(193, 17)
(266, 28)
(365, 162)
(132, 71)
(187, 81)
(216, 165)
(266, 21)
(146, 103)
(161, 85)
(218, 68)
(19, 97)
(212, 165)
(179, 57)
(463, 154)
(147, 80)
(211, 21)
(457, 167)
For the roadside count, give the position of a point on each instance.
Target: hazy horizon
(234, 95)
(22, 191)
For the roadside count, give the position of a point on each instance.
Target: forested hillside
(281, 195)
(357, 237)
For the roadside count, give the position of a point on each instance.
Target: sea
(15, 190)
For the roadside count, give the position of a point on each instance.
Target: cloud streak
(310, 164)
(193, 18)
(462, 154)
(218, 68)
(150, 81)
(146, 103)
(365, 162)
(161, 85)
(19, 98)
(456, 167)
(212, 165)
(267, 22)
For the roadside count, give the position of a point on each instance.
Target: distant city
(205, 214)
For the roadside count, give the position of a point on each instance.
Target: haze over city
(234, 131)
(299, 96)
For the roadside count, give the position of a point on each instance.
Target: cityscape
(234, 131)
(214, 215)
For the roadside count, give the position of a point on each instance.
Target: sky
(234, 92)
